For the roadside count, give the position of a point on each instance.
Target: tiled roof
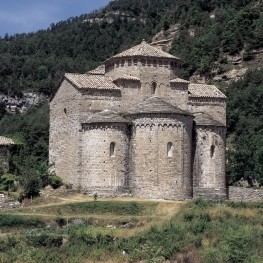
(127, 77)
(100, 70)
(106, 116)
(203, 90)
(205, 120)
(178, 80)
(144, 50)
(6, 141)
(86, 81)
(156, 105)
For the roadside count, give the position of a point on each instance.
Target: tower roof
(156, 105)
(203, 119)
(106, 116)
(100, 70)
(144, 50)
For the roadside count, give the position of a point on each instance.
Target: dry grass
(154, 212)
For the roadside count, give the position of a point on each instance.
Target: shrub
(61, 221)
(7, 182)
(20, 221)
(55, 181)
(45, 240)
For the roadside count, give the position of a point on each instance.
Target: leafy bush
(45, 240)
(55, 181)
(20, 221)
(7, 182)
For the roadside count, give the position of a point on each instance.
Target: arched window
(153, 88)
(212, 151)
(112, 149)
(170, 148)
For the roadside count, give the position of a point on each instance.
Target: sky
(24, 16)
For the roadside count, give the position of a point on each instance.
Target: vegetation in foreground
(201, 231)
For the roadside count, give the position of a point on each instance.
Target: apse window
(170, 148)
(153, 89)
(212, 151)
(112, 149)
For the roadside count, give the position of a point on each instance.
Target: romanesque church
(133, 126)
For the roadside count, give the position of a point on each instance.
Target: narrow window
(212, 151)
(112, 149)
(129, 62)
(153, 89)
(122, 62)
(143, 62)
(170, 149)
(135, 62)
(155, 63)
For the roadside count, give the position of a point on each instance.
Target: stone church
(133, 126)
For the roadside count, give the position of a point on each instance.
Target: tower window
(170, 148)
(112, 149)
(153, 89)
(212, 151)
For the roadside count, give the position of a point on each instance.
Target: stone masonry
(133, 126)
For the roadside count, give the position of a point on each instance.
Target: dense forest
(209, 31)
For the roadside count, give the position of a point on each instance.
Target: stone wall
(209, 179)
(4, 158)
(245, 194)
(161, 157)
(64, 143)
(105, 158)
(214, 107)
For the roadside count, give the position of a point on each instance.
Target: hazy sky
(24, 16)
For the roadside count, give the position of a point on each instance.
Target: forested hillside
(209, 31)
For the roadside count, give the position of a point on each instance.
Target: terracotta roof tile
(203, 90)
(205, 120)
(144, 50)
(178, 80)
(6, 141)
(156, 105)
(106, 116)
(86, 81)
(100, 70)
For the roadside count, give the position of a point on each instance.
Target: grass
(196, 232)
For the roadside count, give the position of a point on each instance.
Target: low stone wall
(6, 203)
(245, 194)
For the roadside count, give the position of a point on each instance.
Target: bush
(20, 221)
(55, 181)
(45, 240)
(7, 182)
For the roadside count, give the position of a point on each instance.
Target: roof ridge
(144, 49)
